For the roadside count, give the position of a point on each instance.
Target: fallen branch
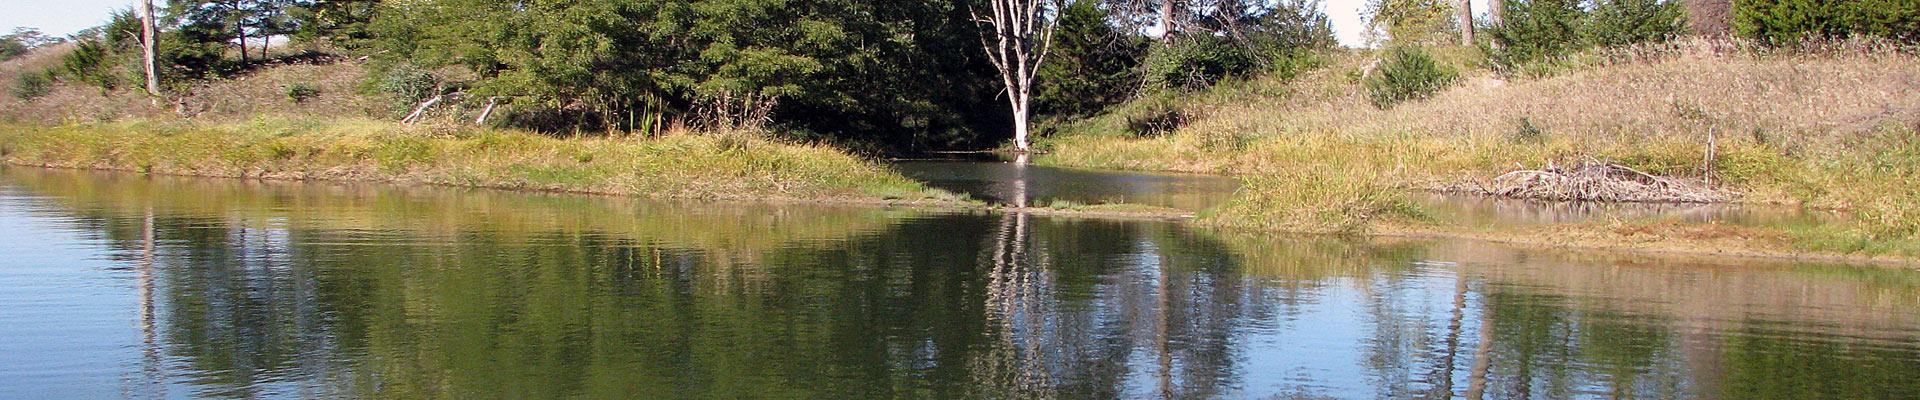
(421, 111)
(491, 101)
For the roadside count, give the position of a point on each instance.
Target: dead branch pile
(1595, 180)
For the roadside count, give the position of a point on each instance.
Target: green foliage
(1788, 21)
(31, 86)
(1627, 22)
(1411, 21)
(405, 84)
(909, 73)
(1091, 65)
(1407, 73)
(23, 40)
(1891, 19)
(94, 63)
(1784, 22)
(1276, 37)
(1196, 62)
(348, 23)
(301, 92)
(1535, 30)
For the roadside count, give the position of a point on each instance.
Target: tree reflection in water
(280, 290)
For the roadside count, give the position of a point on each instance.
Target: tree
(149, 47)
(1536, 30)
(1093, 65)
(1017, 34)
(1627, 22)
(23, 40)
(1409, 21)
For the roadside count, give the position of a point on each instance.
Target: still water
(118, 286)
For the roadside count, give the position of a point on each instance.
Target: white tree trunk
(1017, 36)
(1020, 127)
(148, 46)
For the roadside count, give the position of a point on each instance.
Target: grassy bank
(1825, 128)
(733, 165)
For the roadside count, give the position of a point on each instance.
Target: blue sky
(63, 17)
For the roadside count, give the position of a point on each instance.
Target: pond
(149, 287)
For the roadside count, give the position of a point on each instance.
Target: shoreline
(1513, 237)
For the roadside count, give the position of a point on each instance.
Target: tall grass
(1823, 126)
(728, 165)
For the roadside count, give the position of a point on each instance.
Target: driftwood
(1594, 180)
(420, 112)
(488, 112)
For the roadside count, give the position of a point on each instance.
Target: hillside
(1829, 127)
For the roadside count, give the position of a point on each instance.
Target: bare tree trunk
(1021, 35)
(1466, 22)
(1167, 27)
(243, 45)
(148, 46)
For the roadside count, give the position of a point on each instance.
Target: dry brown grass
(255, 93)
(1830, 126)
(263, 93)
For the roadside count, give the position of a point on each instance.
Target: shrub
(1412, 21)
(301, 92)
(1196, 62)
(1091, 66)
(91, 62)
(405, 86)
(1535, 30)
(1626, 22)
(1786, 22)
(32, 86)
(1160, 118)
(1892, 19)
(1407, 73)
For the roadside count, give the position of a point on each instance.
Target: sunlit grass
(730, 165)
(1811, 128)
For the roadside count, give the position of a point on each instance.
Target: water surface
(126, 286)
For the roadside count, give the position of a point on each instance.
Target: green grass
(731, 165)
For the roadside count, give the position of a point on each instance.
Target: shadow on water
(237, 289)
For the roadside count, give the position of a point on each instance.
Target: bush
(1535, 30)
(93, 63)
(1091, 65)
(1274, 36)
(1782, 22)
(301, 92)
(1197, 62)
(1407, 73)
(1158, 119)
(1786, 22)
(405, 86)
(1891, 19)
(32, 86)
(1627, 22)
